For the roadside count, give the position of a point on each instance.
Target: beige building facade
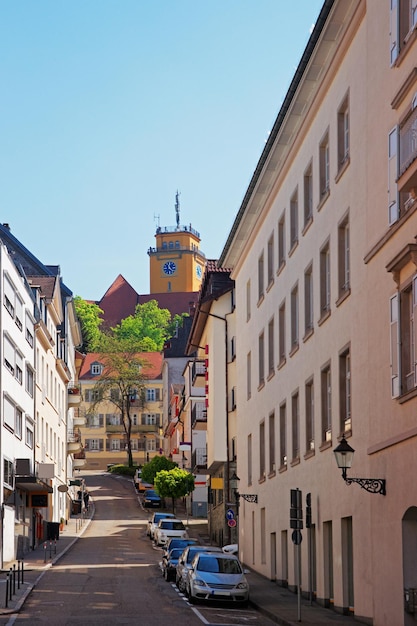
(323, 254)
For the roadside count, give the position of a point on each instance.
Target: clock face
(169, 268)
(198, 271)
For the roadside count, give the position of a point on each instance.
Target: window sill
(280, 268)
(324, 317)
(343, 296)
(309, 454)
(295, 461)
(323, 199)
(308, 334)
(261, 385)
(342, 169)
(283, 468)
(270, 285)
(272, 474)
(294, 349)
(260, 300)
(281, 363)
(293, 248)
(325, 445)
(407, 396)
(307, 225)
(262, 479)
(409, 41)
(271, 375)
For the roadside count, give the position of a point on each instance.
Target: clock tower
(176, 263)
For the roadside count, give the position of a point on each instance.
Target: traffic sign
(231, 523)
(230, 514)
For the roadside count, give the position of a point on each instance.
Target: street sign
(231, 523)
(296, 537)
(230, 514)
(75, 482)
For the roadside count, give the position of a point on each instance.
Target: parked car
(184, 562)
(217, 577)
(167, 528)
(169, 563)
(177, 542)
(154, 520)
(151, 499)
(231, 548)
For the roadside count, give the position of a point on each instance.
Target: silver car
(218, 577)
(184, 562)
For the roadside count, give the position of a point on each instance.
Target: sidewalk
(275, 602)
(38, 561)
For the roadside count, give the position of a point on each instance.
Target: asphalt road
(111, 576)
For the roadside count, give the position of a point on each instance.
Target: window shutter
(143, 419)
(101, 419)
(158, 419)
(395, 345)
(393, 35)
(157, 394)
(414, 338)
(393, 213)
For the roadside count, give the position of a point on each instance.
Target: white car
(168, 528)
(154, 520)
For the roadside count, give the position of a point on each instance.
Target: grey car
(184, 562)
(217, 577)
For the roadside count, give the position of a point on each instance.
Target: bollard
(18, 574)
(55, 547)
(23, 567)
(6, 604)
(10, 584)
(14, 578)
(50, 549)
(44, 548)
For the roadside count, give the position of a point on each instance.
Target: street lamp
(344, 457)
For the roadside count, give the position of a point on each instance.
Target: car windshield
(175, 553)
(151, 493)
(218, 565)
(168, 525)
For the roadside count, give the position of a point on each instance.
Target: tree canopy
(157, 464)
(89, 315)
(175, 483)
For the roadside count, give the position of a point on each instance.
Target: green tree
(149, 327)
(155, 465)
(175, 483)
(120, 383)
(89, 315)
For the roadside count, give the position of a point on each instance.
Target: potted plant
(61, 524)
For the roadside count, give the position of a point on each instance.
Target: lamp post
(234, 486)
(344, 457)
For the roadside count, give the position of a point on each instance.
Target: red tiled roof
(118, 302)
(176, 303)
(152, 365)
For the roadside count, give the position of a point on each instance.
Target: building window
(294, 219)
(272, 442)
(29, 432)
(308, 195)
(344, 257)
(261, 276)
(308, 300)
(295, 420)
(9, 355)
(8, 413)
(343, 133)
(270, 260)
(403, 309)
(262, 450)
(403, 20)
(248, 310)
(283, 435)
(294, 318)
(8, 473)
(249, 459)
(324, 166)
(309, 399)
(326, 404)
(18, 423)
(263, 535)
(281, 241)
(345, 392)
(29, 380)
(96, 369)
(248, 375)
(281, 320)
(8, 295)
(325, 280)
(152, 395)
(261, 364)
(271, 352)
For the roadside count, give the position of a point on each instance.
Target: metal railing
(408, 141)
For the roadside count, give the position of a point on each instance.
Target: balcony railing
(198, 413)
(199, 458)
(198, 371)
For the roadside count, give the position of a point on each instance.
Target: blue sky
(108, 107)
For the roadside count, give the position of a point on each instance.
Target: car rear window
(172, 525)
